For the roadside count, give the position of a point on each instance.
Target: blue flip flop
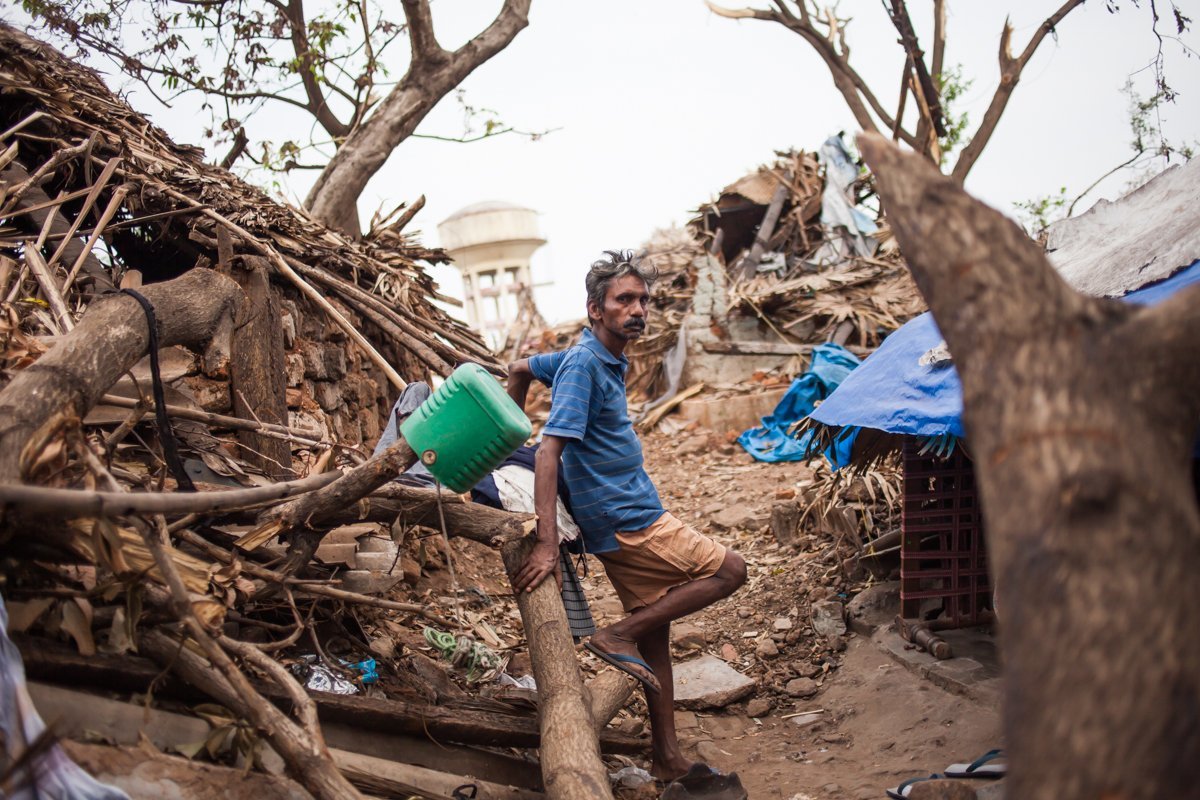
(622, 662)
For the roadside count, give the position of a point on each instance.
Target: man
(662, 569)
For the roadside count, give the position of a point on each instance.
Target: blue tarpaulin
(892, 392)
(831, 364)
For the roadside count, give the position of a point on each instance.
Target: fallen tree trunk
(1081, 415)
(571, 765)
(391, 779)
(608, 692)
(196, 310)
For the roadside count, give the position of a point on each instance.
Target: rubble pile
(812, 539)
(146, 541)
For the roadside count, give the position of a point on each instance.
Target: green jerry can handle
(466, 428)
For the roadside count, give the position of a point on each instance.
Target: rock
(805, 720)
(738, 517)
(785, 521)
(385, 563)
(759, 707)
(365, 582)
(323, 362)
(802, 687)
(831, 788)
(382, 646)
(293, 367)
(329, 395)
(687, 635)
(685, 720)
(828, 618)
(744, 612)
(730, 653)
(709, 752)
(410, 570)
(874, 607)
(766, 649)
(520, 664)
(782, 624)
(708, 682)
(785, 493)
(693, 445)
(942, 790)
(633, 726)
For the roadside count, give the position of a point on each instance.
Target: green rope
(464, 652)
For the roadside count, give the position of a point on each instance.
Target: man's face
(624, 311)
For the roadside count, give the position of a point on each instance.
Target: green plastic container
(466, 428)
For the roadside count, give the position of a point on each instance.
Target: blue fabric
(602, 462)
(892, 392)
(831, 364)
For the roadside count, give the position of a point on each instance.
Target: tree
(929, 81)
(243, 55)
(1081, 414)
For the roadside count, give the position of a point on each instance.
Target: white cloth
(515, 487)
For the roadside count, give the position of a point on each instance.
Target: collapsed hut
(906, 400)
(192, 377)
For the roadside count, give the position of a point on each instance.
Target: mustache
(635, 324)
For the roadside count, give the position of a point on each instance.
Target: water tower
(491, 244)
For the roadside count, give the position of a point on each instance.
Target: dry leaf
(22, 615)
(77, 623)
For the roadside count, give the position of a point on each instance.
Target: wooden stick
(309, 763)
(12, 210)
(67, 503)
(110, 211)
(609, 692)
(661, 411)
(41, 271)
(303, 437)
(101, 182)
(770, 219)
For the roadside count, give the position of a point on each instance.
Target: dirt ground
(878, 723)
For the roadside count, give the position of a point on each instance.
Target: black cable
(166, 434)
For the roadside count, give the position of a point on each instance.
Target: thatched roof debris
(99, 551)
(163, 210)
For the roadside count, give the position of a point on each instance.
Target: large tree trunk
(571, 765)
(1081, 415)
(196, 310)
(433, 73)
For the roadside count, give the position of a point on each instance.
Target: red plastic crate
(943, 555)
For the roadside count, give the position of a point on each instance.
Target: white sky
(660, 104)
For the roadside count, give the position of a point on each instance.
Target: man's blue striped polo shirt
(610, 490)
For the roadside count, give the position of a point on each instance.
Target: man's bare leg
(647, 633)
(667, 762)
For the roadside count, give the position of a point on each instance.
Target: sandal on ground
(991, 764)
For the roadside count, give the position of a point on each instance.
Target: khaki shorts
(659, 558)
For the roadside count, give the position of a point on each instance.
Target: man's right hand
(542, 560)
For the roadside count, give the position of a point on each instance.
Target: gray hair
(616, 264)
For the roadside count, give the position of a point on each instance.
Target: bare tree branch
(317, 104)
(420, 31)
(1010, 73)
